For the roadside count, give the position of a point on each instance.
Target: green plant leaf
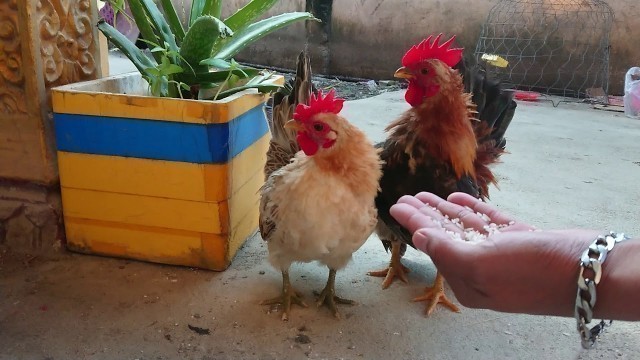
(262, 88)
(146, 30)
(153, 71)
(232, 46)
(199, 40)
(171, 69)
(216, 76)
(129, 49)
(213, 8)
(216, 63)
(159, 23)
(244, 16)
(174, 21)
(233, 80)
(197, 8)
(263, 82)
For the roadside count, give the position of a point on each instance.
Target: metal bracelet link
(592, 259)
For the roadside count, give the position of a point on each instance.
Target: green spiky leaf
(160, 24)
(213, 8)
(242, 39)
(173, 20)
(129, 49)
(244, 16)
(146, 30)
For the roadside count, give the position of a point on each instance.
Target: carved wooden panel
(12, 93)
(43, 44)
(67, 43)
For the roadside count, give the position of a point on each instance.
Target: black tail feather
(495, 103)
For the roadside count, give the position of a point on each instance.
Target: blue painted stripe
(161, 140)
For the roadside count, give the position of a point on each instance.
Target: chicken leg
(328, 296)
(289, 295)
(395, 269)
(435, 295)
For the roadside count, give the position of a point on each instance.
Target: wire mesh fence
(556, 47)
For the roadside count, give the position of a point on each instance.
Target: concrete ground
(570, 166)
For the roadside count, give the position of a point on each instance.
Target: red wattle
(307, 145)
(414, 95)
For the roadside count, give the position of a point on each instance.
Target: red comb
(318, 104)
(430, 50)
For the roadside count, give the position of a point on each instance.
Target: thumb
(438, 245)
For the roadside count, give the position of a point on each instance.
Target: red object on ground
(526, 95)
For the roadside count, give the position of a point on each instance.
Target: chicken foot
(289, 295)
(395, 269)
(435, 295)
(328, 296)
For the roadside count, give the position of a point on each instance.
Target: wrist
(592, 262)
(617, 297)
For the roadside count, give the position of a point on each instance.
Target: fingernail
(420, 239)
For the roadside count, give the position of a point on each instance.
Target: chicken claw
(435, 295)
(395, 269)
(328, 296)
(289, 295)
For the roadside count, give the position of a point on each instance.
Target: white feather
(318, 217)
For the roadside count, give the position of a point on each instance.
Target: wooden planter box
(163, 180)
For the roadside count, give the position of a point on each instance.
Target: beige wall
(625, 41)
(368, 37)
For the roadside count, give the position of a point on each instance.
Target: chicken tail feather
(298, 90)
(495, 108)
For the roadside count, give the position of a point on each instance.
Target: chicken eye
(424, 71)
(318, 127)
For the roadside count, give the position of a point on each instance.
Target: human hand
(513, 269)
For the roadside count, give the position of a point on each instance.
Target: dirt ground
(569, 166)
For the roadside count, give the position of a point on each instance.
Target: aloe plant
(197, 62)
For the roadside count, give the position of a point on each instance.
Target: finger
(466, 215)
(434, 203)
(426, 208)
(430, 198)
(477, 205)
(411, 200)
(444, 249)
(411, 218)
(468, 218)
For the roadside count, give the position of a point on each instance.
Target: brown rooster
(317, 204)
(443, 144)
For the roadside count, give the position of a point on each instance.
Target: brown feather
(441, 146)
(283, 145)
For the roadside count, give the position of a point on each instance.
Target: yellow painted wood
(169, 179)
(215, 251)
(246, 227)
(106, 97)
(222, 182)
(143, 210)
(158, 178)
(245, 199)
(162, 242)
(154, 210)
(152, 244)
(249, 162)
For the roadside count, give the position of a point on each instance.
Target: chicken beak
(293, 125)
(403, 73)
